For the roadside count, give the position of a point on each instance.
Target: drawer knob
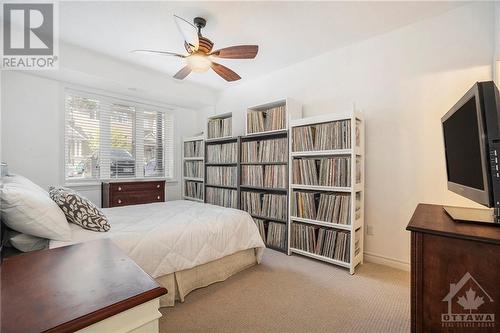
(119, 188)
(158, 197)
(158, 186)
(119, 201)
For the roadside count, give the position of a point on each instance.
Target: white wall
(32, 132)
(403, 81)
(496, 41)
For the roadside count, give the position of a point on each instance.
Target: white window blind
(107, 138)
(82, 130)
(169, 145)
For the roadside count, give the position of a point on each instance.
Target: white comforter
(172, 236)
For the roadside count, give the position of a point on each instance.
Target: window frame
(140, 105)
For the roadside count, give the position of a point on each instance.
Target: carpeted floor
(296, 294)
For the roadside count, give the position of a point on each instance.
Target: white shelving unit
(293, 111)
(355, 227)
(191, 159)
(228, 115)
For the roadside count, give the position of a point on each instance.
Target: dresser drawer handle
(158, 186)
(119, 201)
(119, 188)
(158, 197)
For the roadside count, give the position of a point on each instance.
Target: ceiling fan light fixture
(200, 53)
(198, 63)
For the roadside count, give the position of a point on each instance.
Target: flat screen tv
(471, 132)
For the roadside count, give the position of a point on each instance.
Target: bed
(184, 245)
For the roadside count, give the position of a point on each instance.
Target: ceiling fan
(200, 54)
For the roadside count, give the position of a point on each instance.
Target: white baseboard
(386, 261)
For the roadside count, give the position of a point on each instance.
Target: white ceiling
(286, 32)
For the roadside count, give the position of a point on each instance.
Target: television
(471, 132)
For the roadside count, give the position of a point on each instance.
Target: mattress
(172, 236)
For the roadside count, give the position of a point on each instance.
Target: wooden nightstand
(87, 287)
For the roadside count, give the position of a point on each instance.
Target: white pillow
(22, 181)
(31, 211)
(27, 243)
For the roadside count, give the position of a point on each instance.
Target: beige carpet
(297, 294)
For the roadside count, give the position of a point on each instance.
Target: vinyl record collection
(326, 207)
(266, 120)
(270, 176)
(193, 148)
(272, 206)
(272, 150)
(331, 171)
(252, 175)
(223, 153)
(251, 203)
(329, 243)
(262, 229)
(325, 136)
(193, 169)
(222, 197)
(222, 175)
(194, 190)
(276, 176)
(219, 127)
(276, 235)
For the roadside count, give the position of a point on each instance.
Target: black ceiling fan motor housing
(200, 23)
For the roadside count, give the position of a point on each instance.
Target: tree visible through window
(153, 143)
(82, 137)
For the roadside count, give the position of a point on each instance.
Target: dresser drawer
(136, 187)
(135, 198)
(132, 193)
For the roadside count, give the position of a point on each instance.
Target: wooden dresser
(455, 273)
(87, 287)
(115, 194)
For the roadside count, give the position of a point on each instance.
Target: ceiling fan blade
(237, 52)
(189, 32)
(182, 73)
(159, 53)
(224, 72)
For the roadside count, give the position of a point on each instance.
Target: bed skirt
(181, 283)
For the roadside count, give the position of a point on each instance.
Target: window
(108, 138)
(153, 143)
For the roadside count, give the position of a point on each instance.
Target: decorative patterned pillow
(79, 210)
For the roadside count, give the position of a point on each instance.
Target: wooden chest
(115, 194)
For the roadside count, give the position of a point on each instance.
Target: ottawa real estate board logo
(469, 305)
(30, 36)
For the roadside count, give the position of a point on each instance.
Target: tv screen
(463, 146)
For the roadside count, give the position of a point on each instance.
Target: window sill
(98, 183)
